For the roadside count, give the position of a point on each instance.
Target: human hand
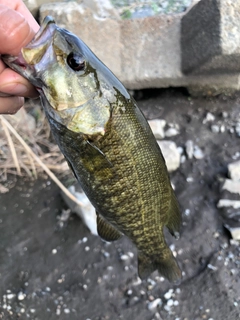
(17, 28)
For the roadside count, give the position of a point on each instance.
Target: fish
(107, 143)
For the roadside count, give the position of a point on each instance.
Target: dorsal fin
(106, 231)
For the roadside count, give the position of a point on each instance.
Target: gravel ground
(53, 268)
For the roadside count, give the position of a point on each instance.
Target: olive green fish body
(107, 142)
(125, 177)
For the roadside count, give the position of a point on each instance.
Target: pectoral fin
(106, 231)
(97, 152)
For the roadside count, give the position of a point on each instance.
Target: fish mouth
(33, 53)
(36, 48)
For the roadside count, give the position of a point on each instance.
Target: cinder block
(146, 52)
(142, 53)
(210, 38)
(151, 51)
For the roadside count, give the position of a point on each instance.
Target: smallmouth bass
(107, 143)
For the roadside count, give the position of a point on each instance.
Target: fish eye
(76, 61)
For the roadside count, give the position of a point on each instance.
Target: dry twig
(38, 160)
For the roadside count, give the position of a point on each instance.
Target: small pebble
(66, 310)
(170, 302)
(209, 117)
(198, 153)
(124, 257)
(215, 128)
(189, 149)
(21, 296)
(154, 304)
(211, 267)
(168, 294)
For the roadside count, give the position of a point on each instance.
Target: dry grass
(26, 149)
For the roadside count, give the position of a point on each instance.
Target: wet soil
(58, 270)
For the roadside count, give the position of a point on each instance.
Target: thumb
(15, 31)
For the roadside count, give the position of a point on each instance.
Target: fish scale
(107, 142)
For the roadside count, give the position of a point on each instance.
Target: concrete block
(142, 53)
(151, 55)
(146, 52)
(210, 39)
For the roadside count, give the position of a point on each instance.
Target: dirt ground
(57, 270)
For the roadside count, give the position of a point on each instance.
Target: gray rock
(234, 230)
(231, 186)
(171, 154)
(34, 5)
(210, 38)
(234, 170)
(171, 132)
(157, 126)
(237, 129)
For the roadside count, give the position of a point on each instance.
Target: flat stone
(210, 39)
(170, 154)
(234, 170)
(157, 126)
(235, 204)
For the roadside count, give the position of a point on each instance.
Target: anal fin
(106, 231)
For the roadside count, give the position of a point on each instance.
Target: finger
(10, 105)
(19, 6)
(12, 83)
(15, 31)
